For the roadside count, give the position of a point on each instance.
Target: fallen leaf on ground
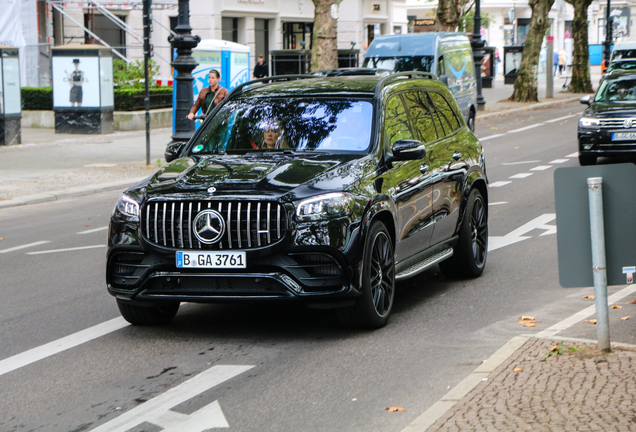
(590, 297)
(1, 238)
(625, 318)
(518, 369)
(394, 409)
(87, 225)
(529, 324)
(631, 302)
(617, 307)
(555, 347)
(592, 321)
(526, 318)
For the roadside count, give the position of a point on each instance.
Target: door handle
(457, 155)
(423, 168)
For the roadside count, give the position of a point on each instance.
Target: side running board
(423, 265)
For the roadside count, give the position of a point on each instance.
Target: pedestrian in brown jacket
(209, 97)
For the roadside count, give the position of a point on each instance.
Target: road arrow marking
(158, 411)
(496, 242)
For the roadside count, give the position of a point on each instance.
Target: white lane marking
(526, 128)
(157, 411)
(498, 203)
(588, 311)
(43, 351)
(541, 168)
(491, 137)
(559, 161)
(520, 175)
(496, 242)
(499, 183)
(560, 118)
(93, 230)
(65, 250)
(573, 155)
(520, 163)
(24, 246)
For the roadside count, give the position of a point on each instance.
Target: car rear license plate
(195, 259)
(624, 136)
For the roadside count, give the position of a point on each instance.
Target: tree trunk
(324, 46)
(580, 82)
(448, 14)
(526, 82)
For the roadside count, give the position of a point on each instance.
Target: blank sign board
(573, 222)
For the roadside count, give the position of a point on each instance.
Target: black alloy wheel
(147, 315)
(471, 250)
(373, 307)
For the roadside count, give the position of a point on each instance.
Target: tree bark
(581, 81)
(448, 14)
(324, 46)
(526, 83)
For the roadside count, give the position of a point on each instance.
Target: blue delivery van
(448, 55)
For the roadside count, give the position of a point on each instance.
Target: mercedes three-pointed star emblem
(209, 226)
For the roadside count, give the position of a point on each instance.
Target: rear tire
(373, 306)
(585, 160)
(147, 315)
(471, 250)
(471, 121)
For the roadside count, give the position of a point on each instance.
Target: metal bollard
(597, 231)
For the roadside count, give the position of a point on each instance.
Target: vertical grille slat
(249, 223)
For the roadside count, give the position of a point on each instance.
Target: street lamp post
(183, 41)
(608, 35)
(478, 54)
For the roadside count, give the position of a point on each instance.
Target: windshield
(617, 91)
(296, 124)
(400, 64)
(623, 54)
(623, 65)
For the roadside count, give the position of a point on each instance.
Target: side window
(396, 122)
(446, 114)
(421, 117)
(440, 66)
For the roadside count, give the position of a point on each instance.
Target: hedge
(126, 99)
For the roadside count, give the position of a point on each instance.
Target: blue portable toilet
(232, 60)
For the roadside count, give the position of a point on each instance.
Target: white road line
(560, 118)
(499, 183)
(520, 175)
(520, 163)
(43, 351)
(491, 137)
(93, 230)
(526, 128)
(65, 250)
(541, 168)
(541, 222)
(559, 161)
(498, 203)
(580, 316)
(24, 246)
(573, 155)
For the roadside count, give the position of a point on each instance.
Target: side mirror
(173, 150)
(585, 100)
(444, 79)
(404, 149)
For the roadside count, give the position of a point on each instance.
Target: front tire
(373, 306)
(585, 160)
(471, 121)
(147, 315)
(471, 250)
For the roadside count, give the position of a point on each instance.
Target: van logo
(212, 189)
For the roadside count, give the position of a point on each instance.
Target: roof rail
(268, 80)
(402, 75)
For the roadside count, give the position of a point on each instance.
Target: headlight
(127, 209)
(589, 121)
(324, 206)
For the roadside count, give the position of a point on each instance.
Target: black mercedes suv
(320, 189)
(608, 126)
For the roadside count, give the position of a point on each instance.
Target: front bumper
(599, 142)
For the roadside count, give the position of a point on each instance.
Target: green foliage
(129, 98)
(467, 21)
(37, 98)
(132, 74)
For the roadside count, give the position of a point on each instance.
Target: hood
(271, 174)
(614, 109)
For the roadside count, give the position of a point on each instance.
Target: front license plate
(624, 136)
(194, 259)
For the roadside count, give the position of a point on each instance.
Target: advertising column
(83, 99)
(10, 97)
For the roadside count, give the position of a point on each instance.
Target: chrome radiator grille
(615, 123)
(248, 224)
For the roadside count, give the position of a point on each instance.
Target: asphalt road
(303, 371)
